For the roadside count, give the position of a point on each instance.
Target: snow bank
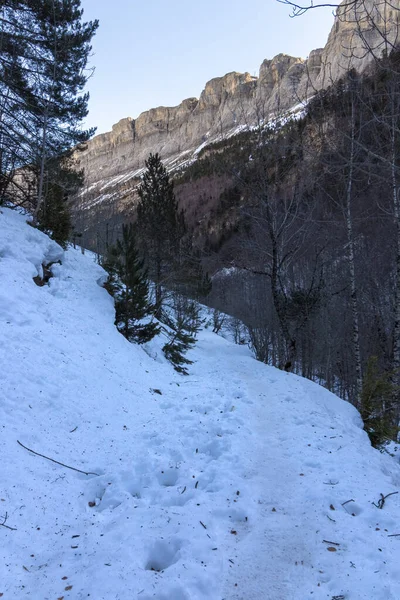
(237, 482)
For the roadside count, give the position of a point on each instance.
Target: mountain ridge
(112, 162)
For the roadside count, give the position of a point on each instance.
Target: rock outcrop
(113, 161)
(362, 30)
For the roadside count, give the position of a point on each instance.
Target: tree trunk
(352, 270)
(158, 288)
(41, 173)
(396, 327)
(290, 342)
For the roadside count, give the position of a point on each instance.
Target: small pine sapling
(377, 406)
(127, 283)
(184, 328)
(218, 320)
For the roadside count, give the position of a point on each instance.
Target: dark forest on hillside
(304, 214)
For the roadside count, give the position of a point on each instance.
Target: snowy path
(267, 546)
(259, 549)
(296, 463)
(230, 483)
(265, 559)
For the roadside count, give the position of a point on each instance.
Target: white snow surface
(237, 482)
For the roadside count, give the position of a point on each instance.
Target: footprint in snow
(214, 449)
(168, 477)
(209, 481)
(163, 554)
(289, 399)
(354, 509)
(243, 397)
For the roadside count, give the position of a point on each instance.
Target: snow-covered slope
(237, 482)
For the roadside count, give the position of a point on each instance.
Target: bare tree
(300, 9)
(375, 22)
(280, 219)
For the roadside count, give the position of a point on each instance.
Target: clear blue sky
(158, 52)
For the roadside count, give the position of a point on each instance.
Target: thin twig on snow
(3, 524)
(56, 461)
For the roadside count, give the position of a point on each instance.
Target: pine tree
(54, 214)
(128, 284)
(44, 48)
(191, 280)
(377, 406)
(160, 225)
(184, 327)
(61, 107)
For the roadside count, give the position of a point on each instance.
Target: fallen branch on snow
(333, 543)
(56, 461)
(3, 524)
(381, 501)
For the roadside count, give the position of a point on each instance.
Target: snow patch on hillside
(238, 482)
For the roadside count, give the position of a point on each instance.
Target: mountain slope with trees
(121, 476)
(308, 230)
(297, 221)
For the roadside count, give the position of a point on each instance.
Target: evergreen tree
(128, 284)
(160, 225)
(190, 278)
(377, 406)
(184, 328)
(54, 214)
(44, 48)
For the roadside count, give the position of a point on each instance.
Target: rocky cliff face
(360, 32)
(113, 161)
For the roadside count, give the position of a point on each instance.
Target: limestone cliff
(113, 161)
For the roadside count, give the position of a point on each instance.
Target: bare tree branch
(3, 524)
(299, 9)
(56, 461)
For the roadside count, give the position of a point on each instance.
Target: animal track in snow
(179, 498)
(289, 399)
(214, 449)
(163, 554)
(353, 509)
(208, 482)
(168, 477)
